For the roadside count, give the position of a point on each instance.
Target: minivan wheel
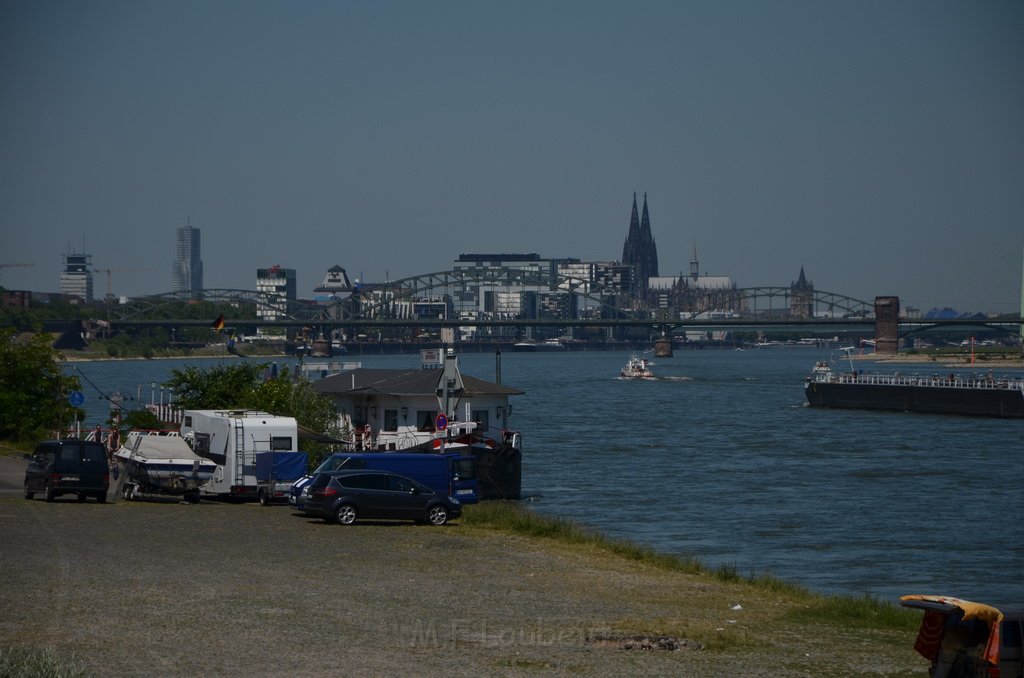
(48, 494)
(346, 514)
(437, 515)
(81, 496)
(101, 497)
(264, 499)
(29, 495)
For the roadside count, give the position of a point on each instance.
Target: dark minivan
(342, 497)
(70, 466)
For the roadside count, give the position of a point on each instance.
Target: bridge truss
(456, 295)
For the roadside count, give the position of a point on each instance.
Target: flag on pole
(218, 324)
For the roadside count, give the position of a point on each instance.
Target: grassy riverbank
(844, 611)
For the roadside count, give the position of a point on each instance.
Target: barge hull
(992, 402)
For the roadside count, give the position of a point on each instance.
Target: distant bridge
(387, 301)
(388, 306)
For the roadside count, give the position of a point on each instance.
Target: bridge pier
(887, 325)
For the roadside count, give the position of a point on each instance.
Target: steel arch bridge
(387, 301)
(186, 304)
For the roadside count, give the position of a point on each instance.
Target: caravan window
(281, 443)
(202, 444)
(202, 448)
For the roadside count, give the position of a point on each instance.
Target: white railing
(1001, 383)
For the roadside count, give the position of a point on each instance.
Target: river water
(719, 459)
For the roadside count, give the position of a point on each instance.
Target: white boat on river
(638, 367)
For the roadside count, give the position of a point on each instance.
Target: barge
(981, 396)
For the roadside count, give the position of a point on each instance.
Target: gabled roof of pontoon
(414, 382)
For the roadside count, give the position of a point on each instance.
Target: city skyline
(876, 145)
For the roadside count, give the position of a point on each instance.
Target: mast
(450, 387)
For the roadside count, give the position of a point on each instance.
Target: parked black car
(343, 497)
(68, 467)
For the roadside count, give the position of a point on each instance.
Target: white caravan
(231, 439)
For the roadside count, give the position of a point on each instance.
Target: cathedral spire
(648, 247)
(629, 248)
(645, 222)
(694, 266)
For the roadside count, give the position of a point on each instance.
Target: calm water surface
(719, 459)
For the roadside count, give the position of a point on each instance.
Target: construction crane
(16, 265)
(108, 271)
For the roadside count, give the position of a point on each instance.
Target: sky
(879, 145)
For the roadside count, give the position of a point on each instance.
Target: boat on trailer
(161, 462)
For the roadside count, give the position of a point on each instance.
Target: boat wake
(653, 378)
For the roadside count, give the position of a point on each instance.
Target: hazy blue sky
(878, 144)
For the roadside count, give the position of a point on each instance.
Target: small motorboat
(638, 367)
(161, 462)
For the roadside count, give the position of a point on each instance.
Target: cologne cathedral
(639, 250)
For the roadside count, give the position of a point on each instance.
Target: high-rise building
(187, 272)
(76, 278)
(276, 287)
(639, 250)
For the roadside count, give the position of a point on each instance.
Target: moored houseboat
(432, 410)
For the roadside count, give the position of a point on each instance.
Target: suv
(68, 467)
(343, 497)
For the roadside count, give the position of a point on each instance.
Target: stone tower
(801, 297)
